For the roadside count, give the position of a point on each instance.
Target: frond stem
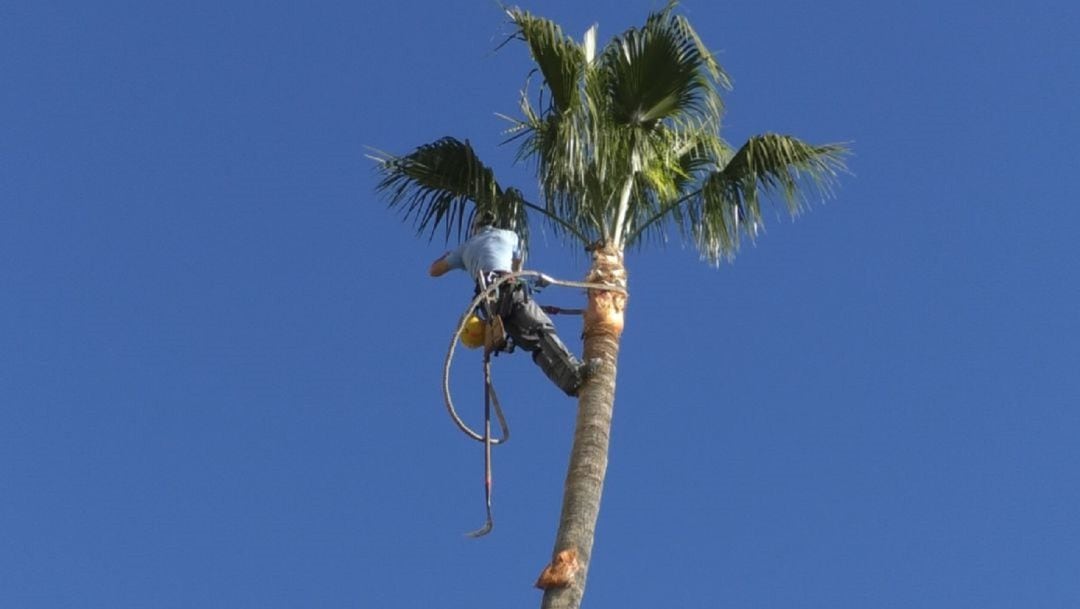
(624, 206)
(566, 225)
(663, 211)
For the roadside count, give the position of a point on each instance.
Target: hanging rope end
(484, 530)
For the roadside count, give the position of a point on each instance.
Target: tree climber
(492, 252)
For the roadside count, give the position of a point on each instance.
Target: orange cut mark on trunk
(606, 311)
(560, 573)
(606, 307)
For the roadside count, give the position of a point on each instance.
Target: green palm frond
(662, 71)
(683, 160)
(557, 143)
(443, 184)
(554, 132)
(559, 58)
(729, 203)
(780, 163)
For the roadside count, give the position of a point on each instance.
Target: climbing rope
(489, 522)
(491, 344)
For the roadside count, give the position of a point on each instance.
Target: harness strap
(494, 331)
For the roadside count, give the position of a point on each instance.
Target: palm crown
(626, 145)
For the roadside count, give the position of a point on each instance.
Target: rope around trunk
(504, 427)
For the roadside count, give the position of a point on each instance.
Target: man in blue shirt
(491, 252)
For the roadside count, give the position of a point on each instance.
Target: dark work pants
(524, 320)
(532, 330)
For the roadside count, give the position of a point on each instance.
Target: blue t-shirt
(491, 249)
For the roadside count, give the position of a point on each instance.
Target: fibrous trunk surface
(603, 324)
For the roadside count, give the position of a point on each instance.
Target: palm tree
(626, 145)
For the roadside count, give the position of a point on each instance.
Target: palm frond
(558, 144)
(667, 183)
(443, 184)
(772, 165)
(780, 163)
(559, 58)
(553, 133)
(662, 71)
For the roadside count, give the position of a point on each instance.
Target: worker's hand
(439, 267)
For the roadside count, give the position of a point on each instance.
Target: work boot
(565, 370)
(586, 372)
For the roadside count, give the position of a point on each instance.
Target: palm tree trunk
(603, 324)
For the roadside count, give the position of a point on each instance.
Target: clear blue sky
(220, 353)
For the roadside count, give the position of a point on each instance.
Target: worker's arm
(440, 267)
(516, 265)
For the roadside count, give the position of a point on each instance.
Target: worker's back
(490, 249)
